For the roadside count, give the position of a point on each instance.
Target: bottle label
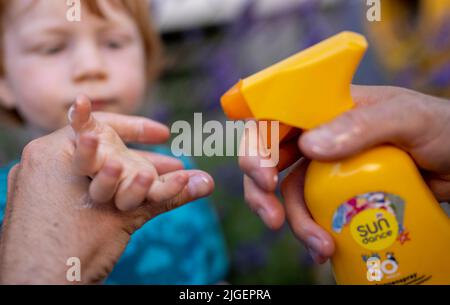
(374, 229)
(375, 220)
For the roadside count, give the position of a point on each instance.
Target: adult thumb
(402, 119)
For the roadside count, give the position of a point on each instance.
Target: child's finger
(200, 185)
(86, 161)
(163, 164)
(135, 129)
(105, 183)
(167, 186)
(80, 115)
(131, 196)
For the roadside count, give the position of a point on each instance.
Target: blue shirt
(184, 246)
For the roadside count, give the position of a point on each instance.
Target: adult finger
(318, 241)
(251, 155)
(265, 204)
(440, 186)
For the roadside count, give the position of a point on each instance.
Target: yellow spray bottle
(388, 227)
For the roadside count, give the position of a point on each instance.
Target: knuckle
(357, 119)
(301, 231)
(393, 92)
(154, 198)
(12, 173)
(245, 164)
(416, 126)
(426, 113)
(31, 151)
(172, 204)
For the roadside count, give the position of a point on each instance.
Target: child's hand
(118, 173)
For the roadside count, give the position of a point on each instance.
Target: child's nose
(88, 65)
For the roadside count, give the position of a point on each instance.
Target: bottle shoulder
(385, 169)
(382, 160)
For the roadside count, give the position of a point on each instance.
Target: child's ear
(6, 97)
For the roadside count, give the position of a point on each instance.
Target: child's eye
(114, 45)
(53, 50)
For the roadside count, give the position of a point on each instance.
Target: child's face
(49, 61)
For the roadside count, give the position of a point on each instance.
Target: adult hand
(416, 123)
(50, 217)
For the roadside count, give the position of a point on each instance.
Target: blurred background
(211, 44)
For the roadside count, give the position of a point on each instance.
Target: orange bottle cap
(235, 105)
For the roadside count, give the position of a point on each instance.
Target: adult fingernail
(314, 255)
(320, 141)
(314, 244)
(71, 113)
(198, 186)
(329, 139)
(275, 179)
(262, 213)
(263, 180)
